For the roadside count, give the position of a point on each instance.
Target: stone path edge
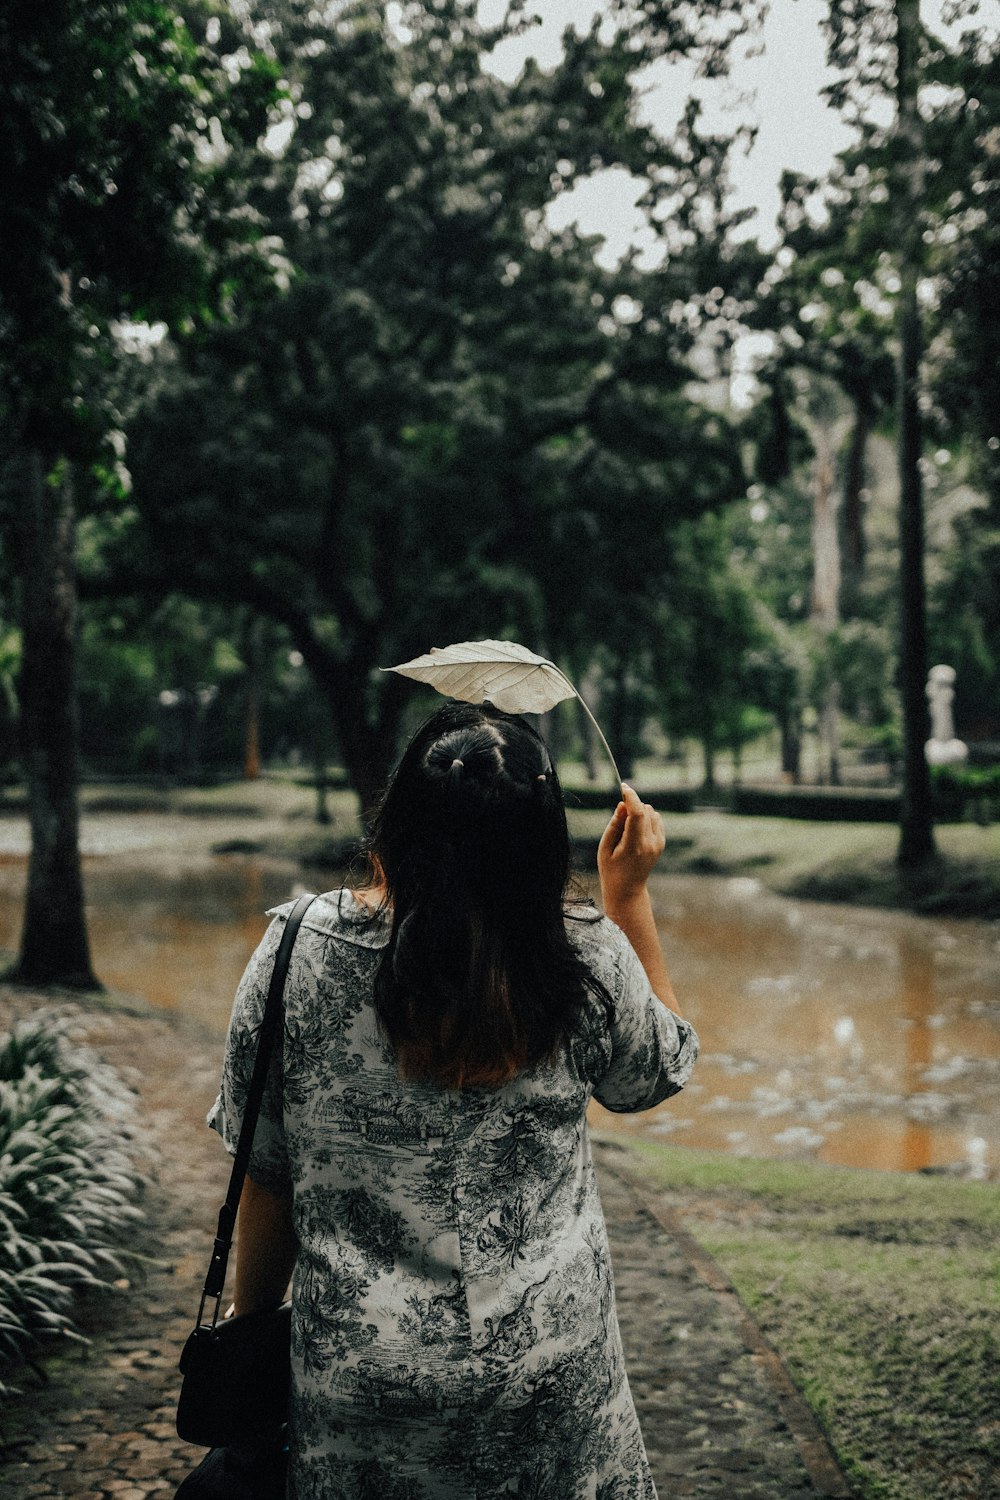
(814, 1449)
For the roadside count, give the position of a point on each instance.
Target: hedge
(957, 798)
(828, 804)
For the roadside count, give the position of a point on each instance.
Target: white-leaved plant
(69, 1184)
(509, 676)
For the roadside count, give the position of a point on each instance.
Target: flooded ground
(830, 1033)
(835, 1034)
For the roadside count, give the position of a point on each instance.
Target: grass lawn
(831, 861)
(880, 1291)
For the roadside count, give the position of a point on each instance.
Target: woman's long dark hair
(479, 979)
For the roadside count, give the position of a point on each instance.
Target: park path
(719, 1415)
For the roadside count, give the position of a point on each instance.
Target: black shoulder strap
(216, 1275)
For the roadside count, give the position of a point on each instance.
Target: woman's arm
(632, 843)
(266, 1248)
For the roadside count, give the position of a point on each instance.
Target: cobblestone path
(716, 1417)
(719, 1414)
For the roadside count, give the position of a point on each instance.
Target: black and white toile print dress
(454, 1333)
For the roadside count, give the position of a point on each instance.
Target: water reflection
(176, 929)
(916, 963)
(829, 1033)
(835, 1034)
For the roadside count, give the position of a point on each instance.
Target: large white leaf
(509, 676)
(503, 673)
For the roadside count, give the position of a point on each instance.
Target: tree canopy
(450, 418)
(105, 216)
(289, 320)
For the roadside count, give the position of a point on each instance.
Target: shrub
(959, 795)
(67, 1182)
(818, 804)
(967, 792)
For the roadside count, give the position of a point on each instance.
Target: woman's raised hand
(633, 841)
(629, 849)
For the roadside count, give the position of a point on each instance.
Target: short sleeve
(652, 1050)
(269, 1155)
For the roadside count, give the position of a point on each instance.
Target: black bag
(236, 1376)
(240, 1472)
(234, 1391)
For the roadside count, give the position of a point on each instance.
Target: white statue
(943, 749)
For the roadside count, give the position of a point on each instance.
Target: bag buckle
(217, 1299)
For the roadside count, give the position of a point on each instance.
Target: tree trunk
(588, 740)
(790, 725)
(825, 610)
(620, 709)
(854, 482)
(708, 751)
(369, 750)
(825, 613)
(737, 751)
(54, 946)
(830, 735)
(322, 780)
(916, 827)
(251, 757)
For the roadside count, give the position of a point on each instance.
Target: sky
(778, 91)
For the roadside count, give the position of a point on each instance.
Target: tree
(916, 829)
(964, 370)
(54, 945)
(965, 624)
(421, 436)
(824, 301)
(884, 245)
(775, 672)
(101, 218)
(709, 632)
(883, 52)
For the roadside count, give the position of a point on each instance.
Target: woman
(421, 1159)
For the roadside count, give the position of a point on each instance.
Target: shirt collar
(339, 914)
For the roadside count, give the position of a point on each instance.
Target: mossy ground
(854, 862)
(880, 1291)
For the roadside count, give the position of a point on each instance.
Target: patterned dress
(454, 1334)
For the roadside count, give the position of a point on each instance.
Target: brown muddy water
(829, 1033)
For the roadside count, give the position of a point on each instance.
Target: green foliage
(780, 442)
(962, 252)
(163, 690)
(451, 417)
(105, 154)
(709, 633)
(859, 656)
(396, 406)
(967, 791)
(909, 203)
(68, 1186)
(965, 622)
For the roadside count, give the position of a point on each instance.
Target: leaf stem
(593, 721)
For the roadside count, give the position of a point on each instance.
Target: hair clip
(457, 762)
